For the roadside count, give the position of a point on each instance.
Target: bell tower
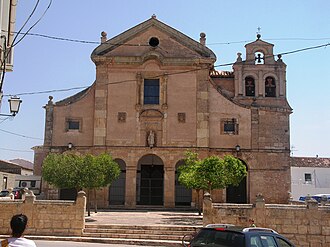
(259, 76)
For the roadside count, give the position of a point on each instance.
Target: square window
(182, 117)
(121, 117)
(308, 177)
(73, 125)
(151, 92)
(229, 126)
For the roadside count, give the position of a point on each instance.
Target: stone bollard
(29, 196)
(81, 209)
(207, 209)
(311, 203)
(260, 201)
(324, 200)
(260, 211)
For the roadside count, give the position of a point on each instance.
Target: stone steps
(154, 235)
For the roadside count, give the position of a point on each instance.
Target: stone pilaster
(100, 113)
(49, 122)
(169, 187)
(130, 193)
(202, 109)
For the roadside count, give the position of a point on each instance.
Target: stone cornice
(124, 37)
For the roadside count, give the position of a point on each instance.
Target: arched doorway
(150, 181)
(238, 194)
(117, 188)
(183, 196)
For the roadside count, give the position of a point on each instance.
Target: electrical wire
(208, 44)
(80, 41)
(26, 21)
(41, 17)
(15, 150)
(181, 72)
(47, 91)
(7, 50)
(28, 137)
(2, 120)
(227, 64)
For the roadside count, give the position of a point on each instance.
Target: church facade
(157, 95)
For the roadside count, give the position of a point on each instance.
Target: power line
(12, 133)
(181, 72)
(16, 150)
(42, 16)
(209, 44)
(47, 91)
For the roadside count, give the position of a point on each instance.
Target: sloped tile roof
(310, 162)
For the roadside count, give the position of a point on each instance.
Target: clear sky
(42, 64)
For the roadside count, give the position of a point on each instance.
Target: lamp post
(238, 149)
(14, 104)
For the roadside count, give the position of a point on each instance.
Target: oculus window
(151, 92)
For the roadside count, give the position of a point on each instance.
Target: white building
(309, 176)
(7, 22)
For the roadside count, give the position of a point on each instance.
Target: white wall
(320, 183)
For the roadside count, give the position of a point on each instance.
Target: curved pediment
(151, 114)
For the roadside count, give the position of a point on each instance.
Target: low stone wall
(55, 218)
(306, 225)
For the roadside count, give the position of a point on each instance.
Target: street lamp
(238, 148)
(14, 104)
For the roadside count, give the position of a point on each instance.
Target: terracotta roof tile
(310, 162)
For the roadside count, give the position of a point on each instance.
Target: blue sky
(42, 64)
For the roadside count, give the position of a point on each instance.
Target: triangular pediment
(135, 42)
(259, 42)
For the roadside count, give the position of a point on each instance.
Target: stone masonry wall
(306, 225)
(55, 218)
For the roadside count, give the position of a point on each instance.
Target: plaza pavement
(145, 217)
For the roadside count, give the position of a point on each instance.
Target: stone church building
(157, 95)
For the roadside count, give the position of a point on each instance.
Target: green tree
(70, 170)
(210, 173)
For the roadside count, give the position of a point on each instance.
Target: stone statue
(151, 139)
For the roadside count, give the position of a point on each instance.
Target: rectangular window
(229, 126)
(73, 125)
(308, 178)
(151, 92)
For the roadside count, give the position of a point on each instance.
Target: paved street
(42, 243)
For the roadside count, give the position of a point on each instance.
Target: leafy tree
(69, 170)
(210, 173)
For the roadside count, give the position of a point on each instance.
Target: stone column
(138, 89)
(130, 193)
(169, 187)
(261, 85)
(164, 90)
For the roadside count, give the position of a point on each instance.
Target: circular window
(153, 41)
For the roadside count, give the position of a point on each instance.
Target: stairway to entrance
(138, 235)
(141, 227)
